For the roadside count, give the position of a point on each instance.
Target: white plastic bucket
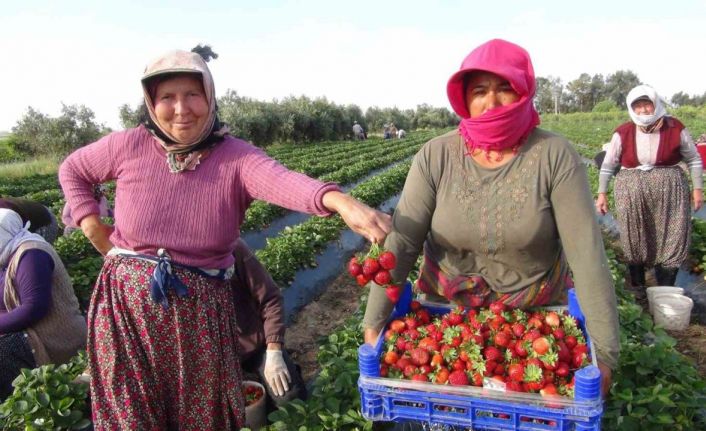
(256, 414)
(656, 290)
(672, 311)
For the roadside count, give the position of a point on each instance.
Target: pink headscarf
(506, 126)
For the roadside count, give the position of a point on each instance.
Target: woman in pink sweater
(162, 334)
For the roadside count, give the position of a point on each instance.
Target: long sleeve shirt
(647, 145)
(194, 215)
(33, 283)
(259, 309)
(506, 224)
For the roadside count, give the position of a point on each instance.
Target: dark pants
(15, 354)
(297, 389)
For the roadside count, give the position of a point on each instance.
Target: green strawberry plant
(47, 399)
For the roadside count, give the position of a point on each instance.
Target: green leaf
(20, 407)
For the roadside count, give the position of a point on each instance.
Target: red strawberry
(391, 357)
(562, 369)
(442, 376)
(382, 277)
(458, 378)
(383, 370)
(414, 305)
(501, 339)
(533, 322)
(559, 333)
(518, 329)
(419, 356)
(492, 353)
(354, 268)
(511, 386)
(497, 307)
(540, 345)
(420, 378)
(570, 341)
(548, 389)
(455, 317)
(402, 363)
(423, 316)
(398, 325)
(393, 293)
(410, 370)
(411, 322)
(477, 379)
(387, 260)
(521, 348)
(578, 359)
(362, 280)
(516, 372)
(370, 266)
(552, 319)
(429, 344)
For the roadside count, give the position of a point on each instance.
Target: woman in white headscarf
(40, 321)
(651, 190)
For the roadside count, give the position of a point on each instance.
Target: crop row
(297, 246)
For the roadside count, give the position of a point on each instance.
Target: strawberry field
(655, 387)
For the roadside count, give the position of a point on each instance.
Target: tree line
(302, 119)
(597, 93)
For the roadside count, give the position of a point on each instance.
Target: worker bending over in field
(259, 315)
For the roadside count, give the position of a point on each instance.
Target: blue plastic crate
(384, 399)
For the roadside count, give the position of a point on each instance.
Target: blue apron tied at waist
(163, 277)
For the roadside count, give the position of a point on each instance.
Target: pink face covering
(506, 126)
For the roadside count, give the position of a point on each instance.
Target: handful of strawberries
(375, 266)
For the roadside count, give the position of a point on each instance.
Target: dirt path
(319, 319)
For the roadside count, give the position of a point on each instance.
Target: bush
(606, 106)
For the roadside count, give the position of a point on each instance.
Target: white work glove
(276, 372)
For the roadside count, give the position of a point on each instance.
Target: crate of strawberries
(489, 368)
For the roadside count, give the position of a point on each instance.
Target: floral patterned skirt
(161, 369)
(473, 291)
(654, 215)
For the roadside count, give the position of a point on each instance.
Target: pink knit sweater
(194, 215)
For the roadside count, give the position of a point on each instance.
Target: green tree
(131, 117)
(580, 89)
(39, 134)
(619, 84)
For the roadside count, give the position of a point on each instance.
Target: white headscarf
(644, 120)
(12, 234)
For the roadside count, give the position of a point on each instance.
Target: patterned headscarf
(182, 155)
(12, 234)
(505, 126)
(646, 123)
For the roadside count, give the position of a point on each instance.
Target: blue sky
(383, 53)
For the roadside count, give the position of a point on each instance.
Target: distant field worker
(259, 315)
(401, 134)
(162, 339)
(386, 134)
(651, 190)
(40, 320)
(358, 132)
(41, 219)
(393, 130)
(104, 209)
